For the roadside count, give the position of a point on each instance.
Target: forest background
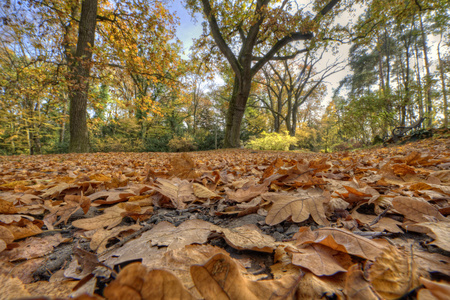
(100, 76)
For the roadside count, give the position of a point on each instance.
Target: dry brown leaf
(299, 207)
(220, 278)
(101, 237)
(178, 191)
(201, 191)
(440, 232)
(58, 189)
(183, 166)
(7, 207)
(51, 289)
(341, 240)
(249, 237)
(416, 209)
(34, 247)
(324, 287)
(12, 288)
(6, 235)
(188, 232)
(394, 273)
(24, 228)
(136, 281)
(320, 259)
(440, 290)
(73, 204)
(385, 223)
(357, 287)
(111, 217)
(247, 193)
(432, 262)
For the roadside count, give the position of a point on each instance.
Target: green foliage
(182, 144)
(273, 141)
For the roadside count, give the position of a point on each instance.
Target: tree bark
(80, 69)
(444, 89)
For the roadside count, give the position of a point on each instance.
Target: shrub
(272, 141)
(182, 144)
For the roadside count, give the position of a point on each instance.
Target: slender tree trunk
(80, 69)
(444, 89)
(419, 83)
(428, 75)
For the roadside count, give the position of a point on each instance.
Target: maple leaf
(183, 166)
(298, 206)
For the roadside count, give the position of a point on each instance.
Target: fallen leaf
(247, 193)
(111, 217)
(438, 231)
(440, 290)
(357, 287)
(220, 278)
(416, 209)
(320, 259)
(7, 207)
(102, 236)
(178, 191)
(135, 281)
(324, 287)
(183, 166)
(394, 273)
(24, 228)
(341, 240)
(34, 247)
(299, 207)
(201, 191)
(249, 237)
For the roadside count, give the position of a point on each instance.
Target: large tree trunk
(80, 69)
(236, 109)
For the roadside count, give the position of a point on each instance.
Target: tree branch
(218, 38)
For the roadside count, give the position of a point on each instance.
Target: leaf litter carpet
(227, 224)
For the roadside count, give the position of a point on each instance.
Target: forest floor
(228, 224)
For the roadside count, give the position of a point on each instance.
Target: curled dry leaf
(201, 191)
(220, 278)
(34, 247)
(299, 207)
(247, 193)
(178, 191)
(440, 290)
(24, 228)
(249, 237)
(320, 260)
(416, 209)
(73, 204)
(357, 287)
(341, 240)
(440, 232)
(394, 273)
(101, 237)
(136, 281)
(111, 217)
(7, 207)
(324, 287)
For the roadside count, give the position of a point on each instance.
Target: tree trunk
(236, 109)
(428, 75)
(444, 90)
(80, 69)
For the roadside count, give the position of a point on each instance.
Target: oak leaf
(416, 209)
(247, 193)
(298, 206)
(101, 237)
(249, 237)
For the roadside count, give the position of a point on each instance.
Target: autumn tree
(249, 35)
